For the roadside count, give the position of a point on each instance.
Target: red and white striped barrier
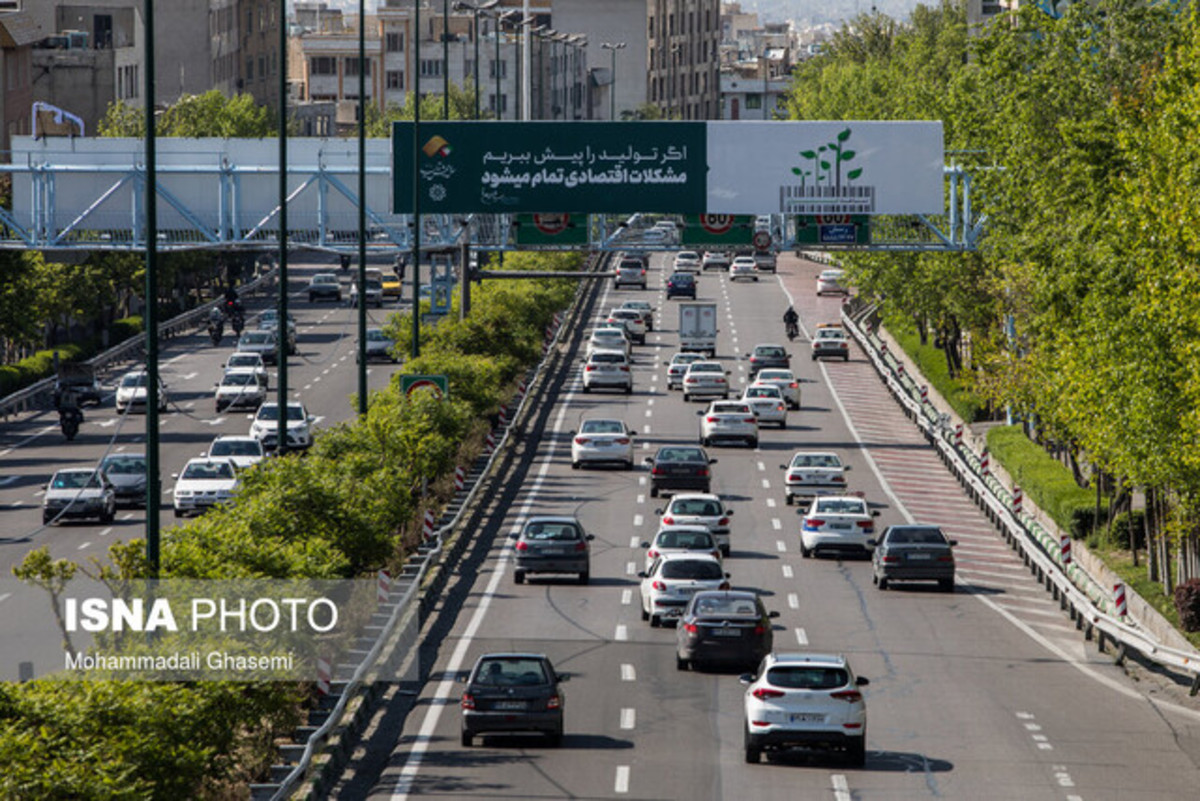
(383, 585)
(1064, 548)
(427, 529)
(1119, 599)
(460, 478)
(899, 371)
(489, 444)
(882, 349)
(958, 435)
(324, 674)
(1018, 500)
(521, 390)
(985, 463)
(503, 416)
(924, 394)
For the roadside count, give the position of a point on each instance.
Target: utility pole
(362, 209)
(282, 335)
(153, 476)
(415, 347)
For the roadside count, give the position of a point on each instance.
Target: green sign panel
(552, 229)
(718, 229)
(590, 167)
(833, 229)
(415, 383)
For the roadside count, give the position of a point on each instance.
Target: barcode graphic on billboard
(827, 199)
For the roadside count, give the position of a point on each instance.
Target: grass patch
(931, 362)
(1121, 562)
(1044, 480)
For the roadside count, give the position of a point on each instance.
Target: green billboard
(587, 167)
(728, 230)
(552, 229)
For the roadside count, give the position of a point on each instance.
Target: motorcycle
(793, 330)
(238, 322)
(215, 332)
(69, 420)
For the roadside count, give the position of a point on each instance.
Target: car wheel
(783, 425)
(586, 389)
(725, 549)
(655, 621)
(218, 408)
(519, 576)
(109, 514)
(574, 465)
(789, 500)
(178, 513)
(46, 519)
(753, 442)
(946, 585)
(805, 552)
(856, 753)
(846, 358)
(467, 739)
(312, 298)
(653, 491)
(627, 465)
(753, 752)
(881, 582)
(629, 389)
(687, 398)
(585, 577)
(681, 663)
(554, 738)
(645, 614)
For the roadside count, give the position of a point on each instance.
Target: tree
(210, 114)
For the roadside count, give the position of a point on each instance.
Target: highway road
(987, 693)
(322, 374)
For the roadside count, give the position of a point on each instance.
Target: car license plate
(919, 556)
(726, 632)
(509, 706)
(806, 717)
(553, 551)
(840, 526)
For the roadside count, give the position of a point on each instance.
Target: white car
(805, 700)
(602, 440)
(265, 427)
(839, 524)
(78, 493)
(630, 270)
(768, 404)
(374, 292)
(743, 267)
(131, 392)
(632, 320)
(786, 381)
(269, 321)
(243, 451)
(249, 361)
(263, 344)
(830, 282)
(240, 387)
(607, 369)
(699, 509)
(678, 366)
(727, 420)
(812, 474)
(705, 379)
(644, 308)
(379, 346)
(672, 580)
(204, 483)
(681, 540)
(610, 339)
(687, 261)
(830, 342)
(715, 260)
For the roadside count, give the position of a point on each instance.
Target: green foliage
(125, 328)
(1129, 530)
(1045, 481)
(208, 115)
(462, 107)
(931, 362)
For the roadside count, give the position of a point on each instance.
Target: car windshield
(916, 536)
(134, 380)
(693, 569)
(239, 379)
(699, 539)
(511, 672)
(324, 278)
(762, 392)
(681, 278)
(236, 447)
(775, 353)
(76, 480)
(724, 606)
(377, 336)
(815, 460)
(271, 412)
(602, 427)
(830, 333)
(686, 358)
(681, 455)
(807, 678)
(374, 286)
(687, 255)
(257, 338)
(551, 532)
(608, 333)
(124, 465)
(841, 506)
(696, 506)
(208, 471)
(775, 375)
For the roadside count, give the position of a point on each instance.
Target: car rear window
(841, 506)
(706, 367)
(511, 672)
(690, 540)
(772, 352)
(608, 358)
(680, 455)
(808, 678)
(696, 507)
(916, 536)
(815, 460)
(731, 408)
(692, 569)
(543, 532)
(724, 606)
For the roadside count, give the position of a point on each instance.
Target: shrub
(124, 329)
(1129, 530)
(1187, 604)
(931, 362)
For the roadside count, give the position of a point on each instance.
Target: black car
(553, 545)
(723, 627)
(678, 467)
(127, 472)
(681, 285)
(913, 553)
(513, 692)
(766, 357)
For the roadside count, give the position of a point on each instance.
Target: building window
(753, 100)
(394, 42)
(501, 65)
(431, 68)
(395, 79)
(351, 67)
(322, 65)
(249, 69)
(262, 68)
(492, 103)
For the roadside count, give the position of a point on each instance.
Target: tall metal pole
(445, 59)
(475, 36)
(612, 48)
(362, 208)
(153, 478)
(281, 397)
(496, 66)
(526, 64)
(415, 347)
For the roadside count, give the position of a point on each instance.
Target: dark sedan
(127, 472)
(681, 285)
(553, 545)
(680, 468)
(723, 627)
(913, 553)
(513, 693)
(766, 357)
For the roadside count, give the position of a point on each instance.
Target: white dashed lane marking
(628, 718)
(621, 785)
(801, 637)
(628, 672)
(788, 572)
(793, 600)
(622, 633)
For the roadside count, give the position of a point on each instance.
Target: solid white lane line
(793, 600)
(626, 597)
(628, 672)
(787, 572)
(621, 784)
(841, 790)
(622, 633)
(628, 718)
(801, 637)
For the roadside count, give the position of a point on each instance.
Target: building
(751, 94)
(18, 33)
(621, 25)
(682, 44)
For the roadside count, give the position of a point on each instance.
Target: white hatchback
(243, 451)
(204, 483)
(673, 579)
(699, 509)
(787, 382)
(767, 402)
(607, 369)
(602, 441)
(678, 366)
(705, 379)
(635, 327)
(687, 261)
(609, 339)
(841, 524)
(728, 420)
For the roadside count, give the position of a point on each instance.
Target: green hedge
(1045, 481)
(30, 370)
(931, 362)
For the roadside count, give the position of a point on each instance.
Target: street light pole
(445, 59)
(153, 477)
(362, 211)
(612, 48)
(476, 10)
(415, 347)
(282, 337)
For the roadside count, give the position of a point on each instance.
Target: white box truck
(698, 327)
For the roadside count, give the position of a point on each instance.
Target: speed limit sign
(762, 240)
(717, 223)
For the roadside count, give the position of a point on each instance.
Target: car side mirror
(312, 417)
(953, 543)
(648, 460)
(666, 364)
(590, 537)
(874, 513)
(729, 513)
(727, 575)
(862, 681)
(746, 678)
(728, 372)
(772, 614)
(847, 468)
(712, 461)
(783, 467)
(564, 677)
(632, 433)
(645, 544)
(702, 412)
(658, 511)
(513, 535)
(641, 574)
(873, 543)
(571, 433)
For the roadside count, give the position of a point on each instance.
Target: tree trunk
(1151, 534)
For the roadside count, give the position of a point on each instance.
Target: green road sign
(435, 383)
(718, 229)
(833, 229)
(552, 229)
(592, 167)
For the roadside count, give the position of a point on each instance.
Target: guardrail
(1088, 604)
(429, 555)
(35, 395)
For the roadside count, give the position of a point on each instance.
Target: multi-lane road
(322, 374)
(987, 693)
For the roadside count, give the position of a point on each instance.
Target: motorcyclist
(70, 416)
(791, 321)
(401, 265)
(232, 304)
(216, 325)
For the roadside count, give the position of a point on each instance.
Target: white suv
(805, 700)
(265, 427)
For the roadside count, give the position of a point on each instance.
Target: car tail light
(554, 702)
(838, 479)
(850, 696)
(716, 552)
(652, 554)
(750, 420)
(724, 586)
(522, 546)
(468, 701)
(622, 440)
(624, 368)
(764, 694)
(851, 725)
(711, 419)
(656, 471)
(668, 520)
(720, 380)
(779, 408)
(814, 522)
(890, 559)
(760, 630)
(843, 345)
(658, 585)
(580, 546)
(703, 471)
(794, 385)
(690, 628)
(946, 558)
(866, 524)
(589, 368)
(582, 440)
(691, 380)
(724, 521)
